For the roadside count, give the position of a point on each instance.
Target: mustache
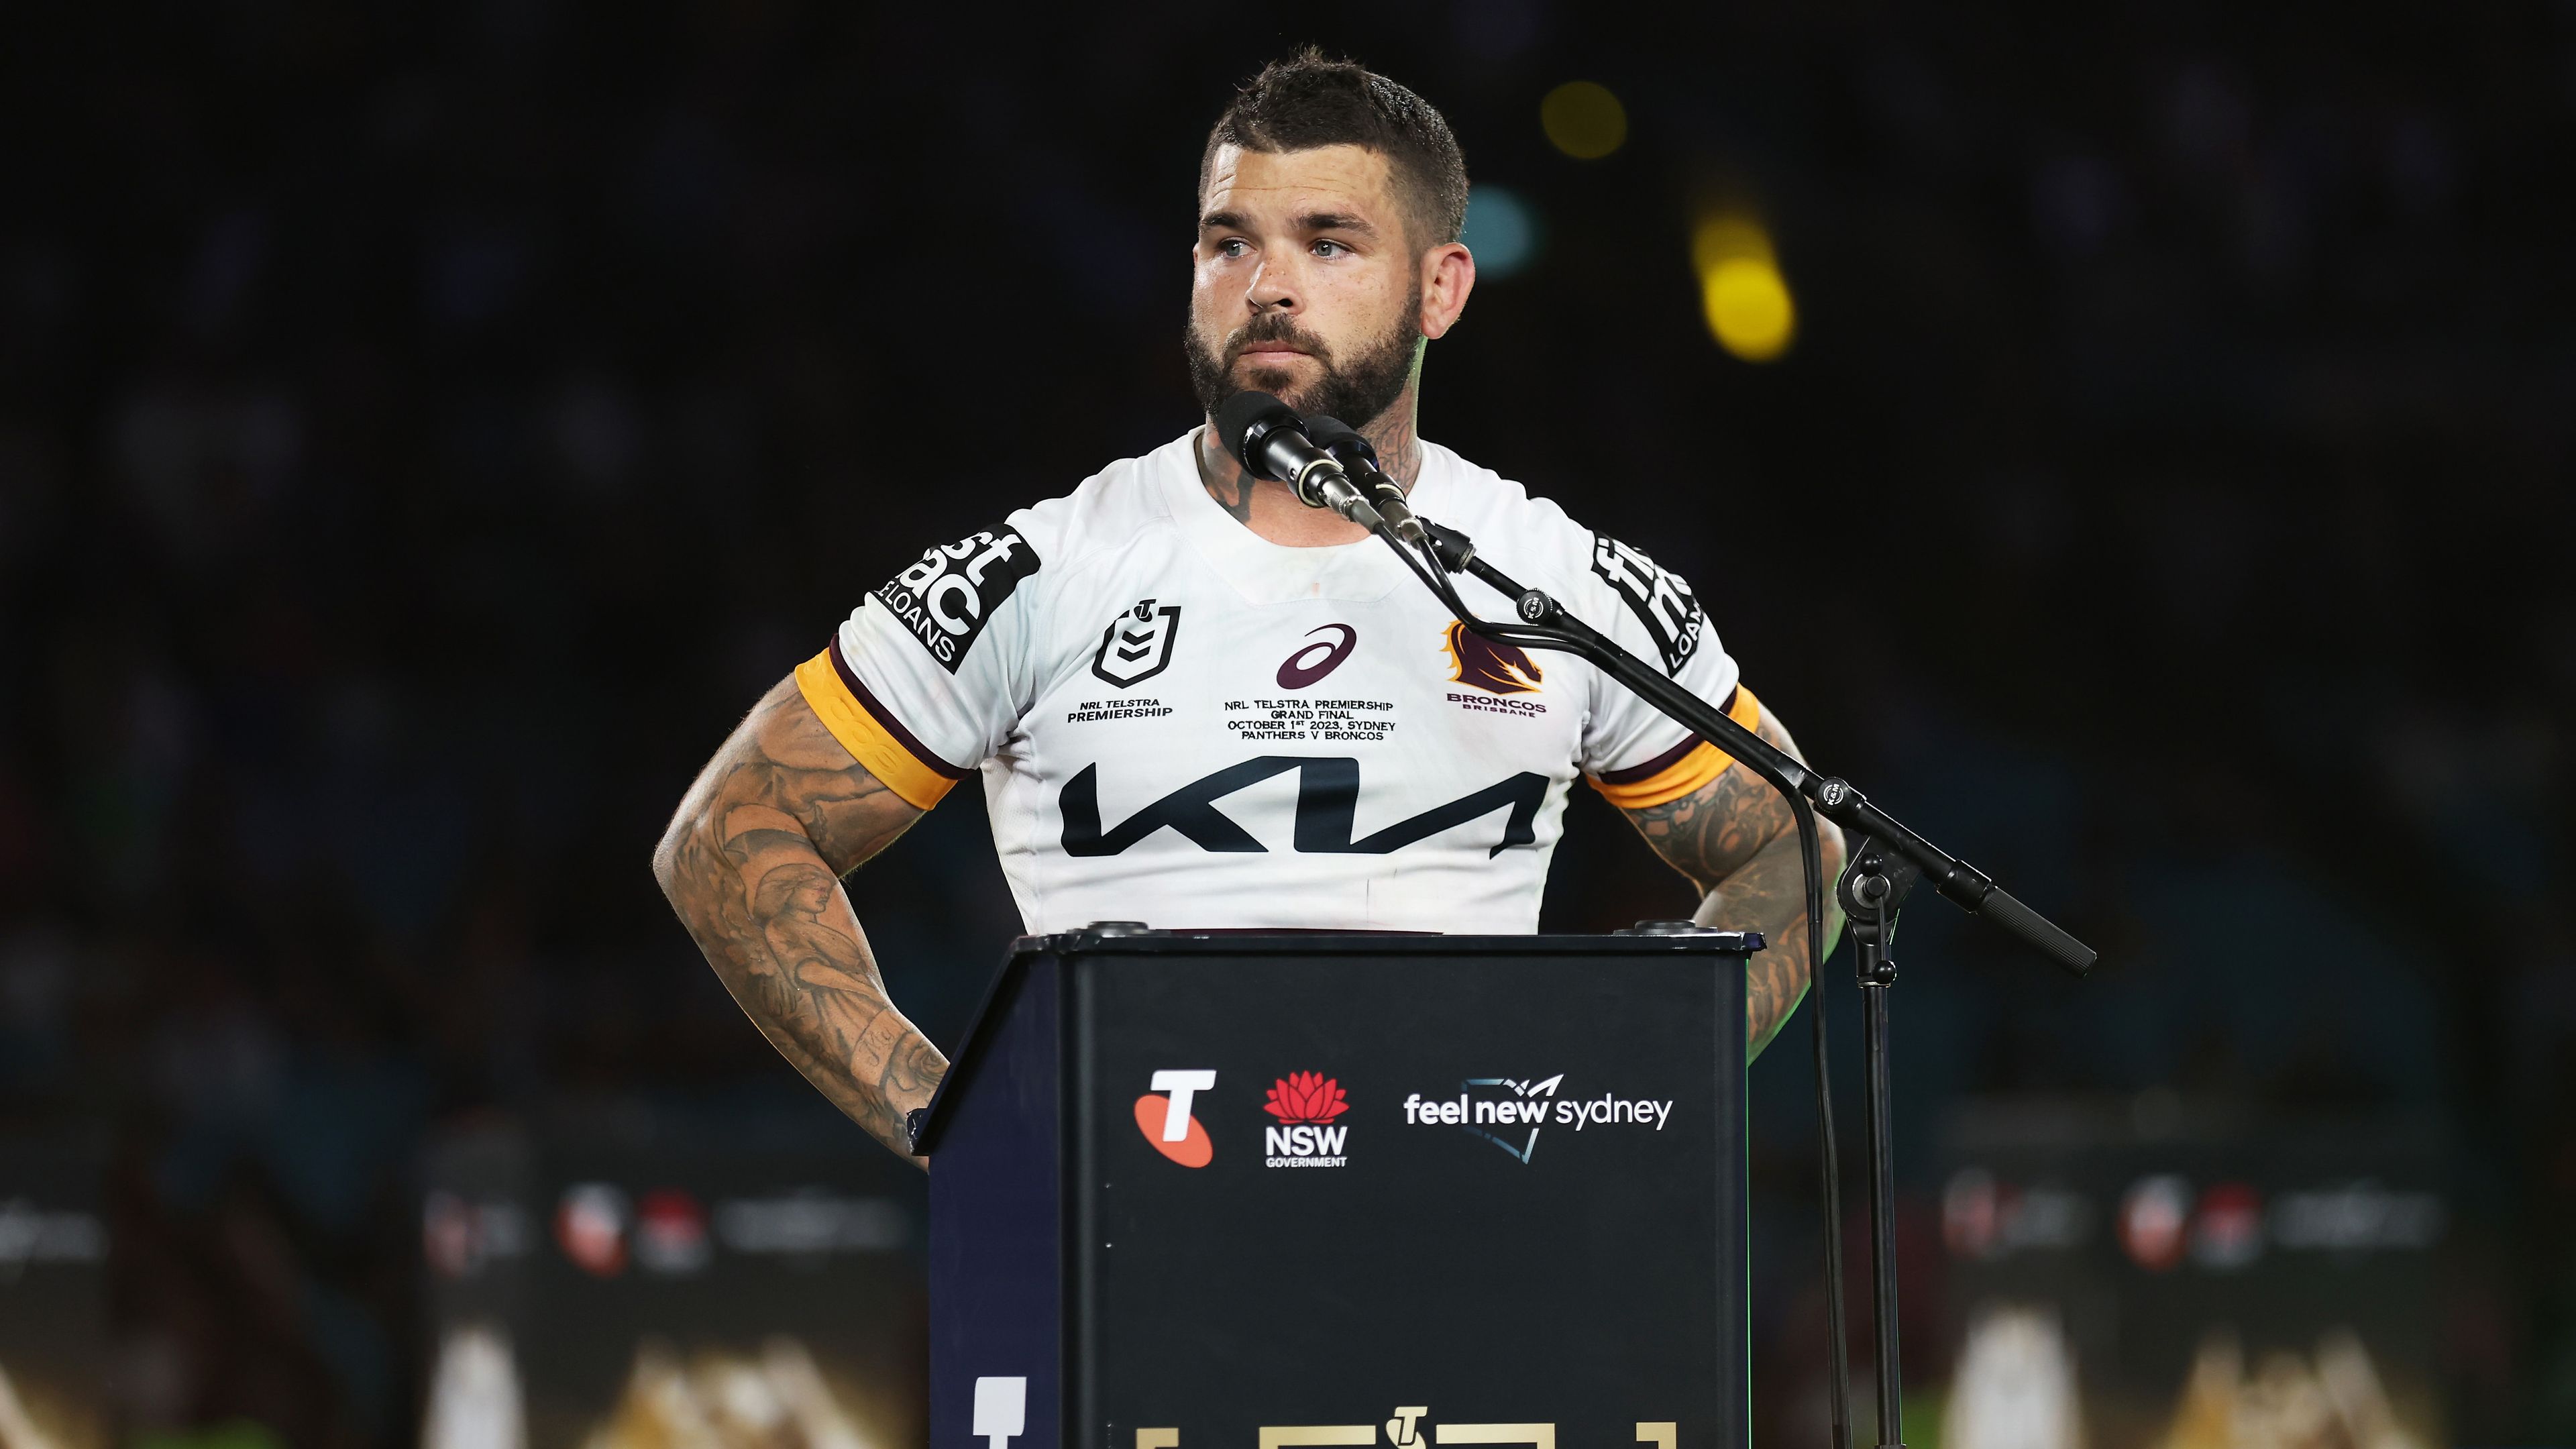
(1275, 327)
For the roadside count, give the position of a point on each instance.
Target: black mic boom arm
(1835, 799)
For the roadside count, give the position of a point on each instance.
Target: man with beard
(1197, 703)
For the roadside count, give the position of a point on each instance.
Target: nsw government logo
(1305, 1104)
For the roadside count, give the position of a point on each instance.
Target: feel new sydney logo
(1512, 1122)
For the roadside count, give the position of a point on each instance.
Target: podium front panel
(1416, 1190)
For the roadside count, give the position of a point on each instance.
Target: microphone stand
(1887, 861)
(1872, 889)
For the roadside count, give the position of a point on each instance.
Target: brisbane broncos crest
(1494, 668)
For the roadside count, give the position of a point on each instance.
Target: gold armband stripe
(1680, 770)
(872, 735)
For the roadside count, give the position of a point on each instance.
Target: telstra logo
(1166, 1121)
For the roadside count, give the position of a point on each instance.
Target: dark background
(423, 429)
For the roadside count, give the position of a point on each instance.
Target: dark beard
(1358, 392)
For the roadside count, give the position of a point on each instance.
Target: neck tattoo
(1232, 493)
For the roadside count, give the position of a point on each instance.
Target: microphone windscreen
(1344, 442)
(1240, 414)
(1326, 431)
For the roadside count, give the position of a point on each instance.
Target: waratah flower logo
(1306, 1097)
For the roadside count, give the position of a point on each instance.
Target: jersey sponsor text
(951, 591)
(1655, 594)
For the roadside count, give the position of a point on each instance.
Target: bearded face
(1304, 283)
(1357, 388)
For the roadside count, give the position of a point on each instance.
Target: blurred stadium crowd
(422, 429)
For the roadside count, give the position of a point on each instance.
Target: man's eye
(1330, 249)
(1233, 246)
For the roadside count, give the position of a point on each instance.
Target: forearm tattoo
(1736, 840)
(752, 864)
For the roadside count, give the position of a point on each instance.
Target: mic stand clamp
(1872, 890)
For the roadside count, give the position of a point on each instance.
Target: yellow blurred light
(1748, 307)
(1583, 120)
(1721, 239)
(1742, 293)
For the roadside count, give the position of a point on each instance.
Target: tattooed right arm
(752, 862)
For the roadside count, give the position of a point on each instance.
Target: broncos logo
(1491, 667)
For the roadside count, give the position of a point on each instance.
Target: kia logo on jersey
(1328, 792)
(1314, 661)
(1163, 1115)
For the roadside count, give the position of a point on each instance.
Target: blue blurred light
(1501, 230)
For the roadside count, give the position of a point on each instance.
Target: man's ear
(1448, 275)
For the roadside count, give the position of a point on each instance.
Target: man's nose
(1272, 286)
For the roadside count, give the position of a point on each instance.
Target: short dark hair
(1311, 100)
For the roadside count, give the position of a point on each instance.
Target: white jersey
(1181, 723)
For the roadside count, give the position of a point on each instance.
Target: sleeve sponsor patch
(1658, 597)
(946, 597)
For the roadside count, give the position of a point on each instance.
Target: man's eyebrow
(1308, 221)
(1335, 221)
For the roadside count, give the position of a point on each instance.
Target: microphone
(1360, 461)
(1264, 436)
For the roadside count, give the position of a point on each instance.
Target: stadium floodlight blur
(1742, 293)
(1583, 120)
(1501, 230)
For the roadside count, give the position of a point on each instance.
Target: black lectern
(1199, 1190)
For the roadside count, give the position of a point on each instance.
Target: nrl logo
(1137, 645)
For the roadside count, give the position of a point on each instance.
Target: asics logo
(1318, 659)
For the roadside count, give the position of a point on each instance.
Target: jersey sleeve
(926, 678)
(1632, 754)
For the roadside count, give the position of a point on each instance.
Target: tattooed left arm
(1736, 840)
